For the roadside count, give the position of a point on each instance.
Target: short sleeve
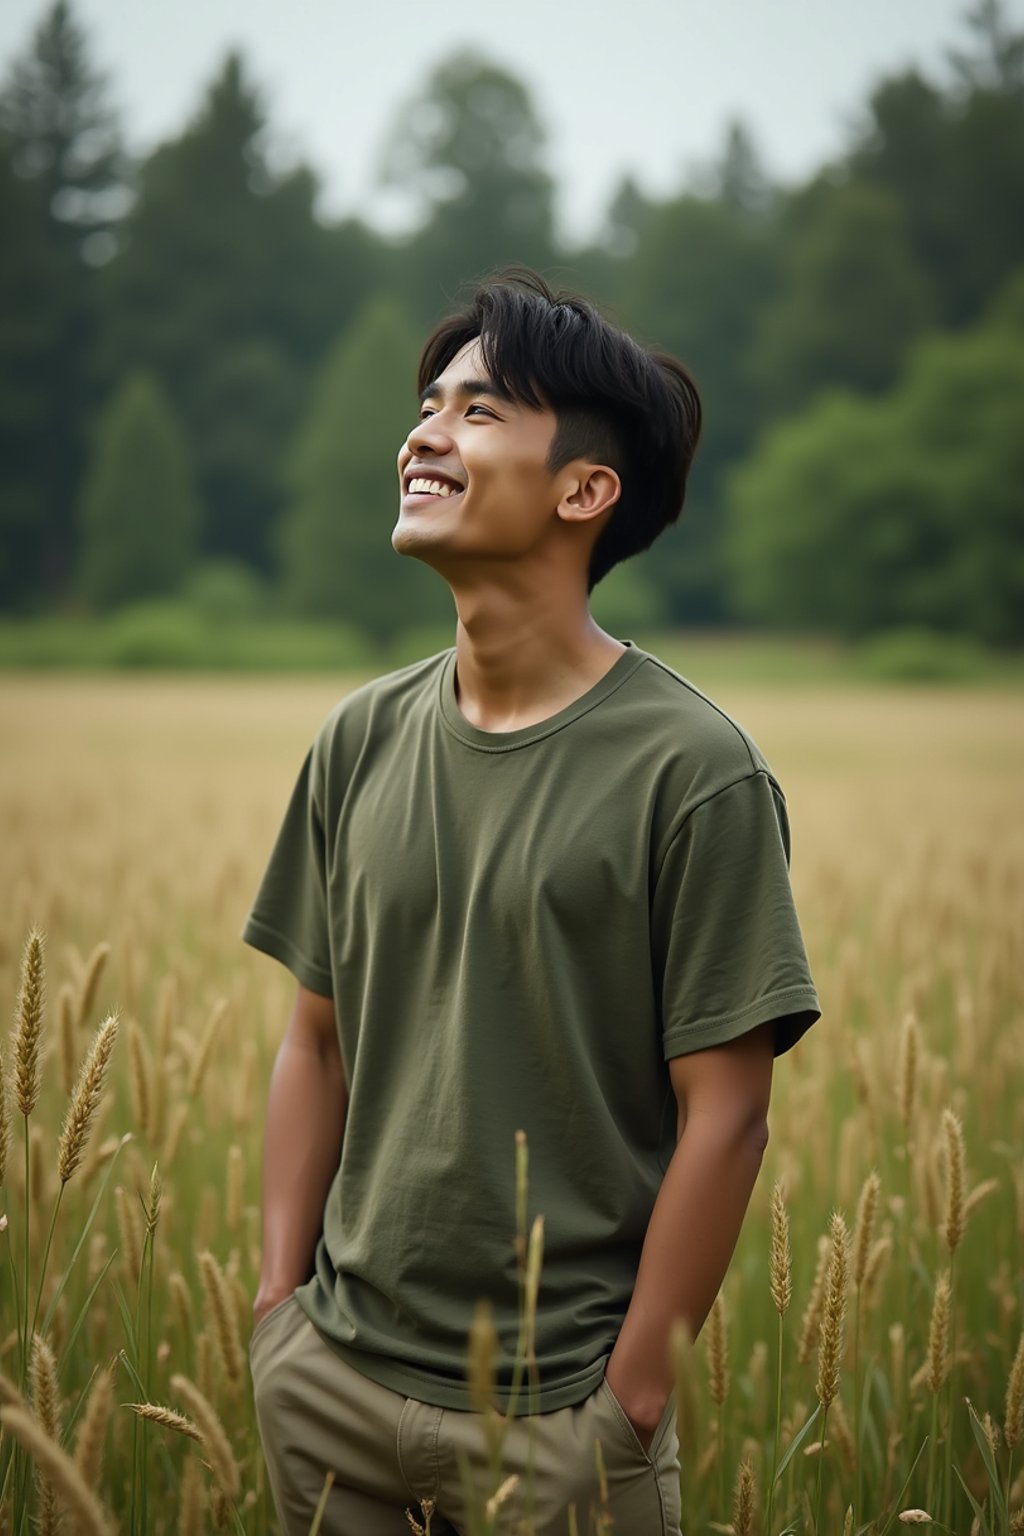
(289, 916)
(727, 945)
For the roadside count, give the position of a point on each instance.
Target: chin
(407, 539)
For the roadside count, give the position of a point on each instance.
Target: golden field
(137, 813)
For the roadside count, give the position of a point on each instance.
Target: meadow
(865, 1364)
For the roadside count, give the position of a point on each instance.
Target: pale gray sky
(639, 85)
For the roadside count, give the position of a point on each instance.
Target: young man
(538, 883)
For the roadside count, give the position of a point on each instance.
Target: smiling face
(474, 471)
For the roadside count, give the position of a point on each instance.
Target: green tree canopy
(702, 272)
(62, 188)
(227, 289)
(336, 546)
(953, 160)
(140, 515)
(63, 134)
(854, 297)
(470, 149)
(866, 514)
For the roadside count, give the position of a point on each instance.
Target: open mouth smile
(421, 487)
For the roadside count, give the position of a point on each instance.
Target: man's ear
(591, 490)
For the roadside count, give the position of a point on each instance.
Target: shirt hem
(269, 941)
(423, 1387)
(798, 1004)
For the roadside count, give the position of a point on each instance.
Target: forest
(203, 382)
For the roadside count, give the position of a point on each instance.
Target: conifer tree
(140, 515)
(338, 559)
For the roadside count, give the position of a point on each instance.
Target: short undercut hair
(617, 402)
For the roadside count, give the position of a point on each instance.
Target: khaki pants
(390, 1453)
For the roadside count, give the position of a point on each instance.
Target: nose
(429, 435)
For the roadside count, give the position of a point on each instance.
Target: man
(538, 883)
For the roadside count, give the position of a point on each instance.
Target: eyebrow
(437, 391)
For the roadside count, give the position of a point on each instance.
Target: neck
(525, 647)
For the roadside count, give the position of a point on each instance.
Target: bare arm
(301, 1146)
(722, 1094)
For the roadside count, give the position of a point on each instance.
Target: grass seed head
(215, 1440)
(718, 1351)
(684, 1377)
(220, 1316)
(1013, 1424)
(167, 1418)
(90, 1515)
(810, 1326)
(92, 1429)
(953, 1227)
(94, 968)
(85, 1099)
(781, 1267)
(910, 1049)
(28, 1025)
(833, 1315)
(937, 1365)
(5, 1127)
(744, 1500)
(483, 1352)
(864, 1226)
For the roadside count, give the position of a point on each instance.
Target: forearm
(690, 1240)
(301, 1150)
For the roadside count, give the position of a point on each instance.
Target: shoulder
(701, 746)
(377, 707)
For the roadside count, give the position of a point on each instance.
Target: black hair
(617, 402)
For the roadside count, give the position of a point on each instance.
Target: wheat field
(864, 1365)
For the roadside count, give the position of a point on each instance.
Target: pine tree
(62, 189)
(338, 558)
(140, 514)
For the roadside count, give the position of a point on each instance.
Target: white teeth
(430, 488)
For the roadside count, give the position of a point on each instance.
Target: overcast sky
(640, 85)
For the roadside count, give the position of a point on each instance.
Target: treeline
(203, 385)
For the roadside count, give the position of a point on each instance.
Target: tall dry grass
(135, 820)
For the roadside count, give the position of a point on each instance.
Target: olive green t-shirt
(518, 931)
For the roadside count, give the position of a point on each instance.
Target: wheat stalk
(129, 1228)
(744, 1500)
(220, 1316)
(718, 1351)
(92, 1429)
(938, 1334)
(141, 1079)
(92, 1517)
(45, 1401)
(28, 1027)
(781, 1268)
(85, 1099)
(90, 981)
(953, 1226)
(167, 1418)
(235, 1199)
(215, 1440)
(190, 1511)
(910, 1050)
(810, 1326)
(684, 1377)
(68, 1037)
(1013, 1424)
(833, 1319)
(200, 1060)
(5, 1124)
(864, 1226)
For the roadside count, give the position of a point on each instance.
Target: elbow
(757, 1135)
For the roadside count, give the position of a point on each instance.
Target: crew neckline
(507, 741)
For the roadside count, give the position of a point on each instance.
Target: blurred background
(224, 239)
